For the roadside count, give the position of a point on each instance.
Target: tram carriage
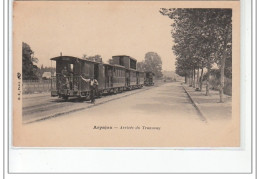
(115, 78)
(112, 78)
(71, 84)
(140, 77)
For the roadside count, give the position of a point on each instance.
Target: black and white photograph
(126, 74)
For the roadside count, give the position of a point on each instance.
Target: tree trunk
(222, 74)
(207, 82)
(198, 80)
(190, 78)
(201, 75)
(185, 78)
(193, 78)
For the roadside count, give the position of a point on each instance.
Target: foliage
(140, 66)
(201, 36)
(153, 63)
(228, 68)
(30, 71)
(95, 58)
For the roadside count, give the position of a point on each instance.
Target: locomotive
(117, 76)
(149, 78)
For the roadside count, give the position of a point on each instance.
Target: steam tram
(149, 78)
(118, 76)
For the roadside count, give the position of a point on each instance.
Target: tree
(224, 39)
(110, 61)
(30, 71)
(95, 58)
(202, 37)
(153, 63)
(84, 57)
(140, 66)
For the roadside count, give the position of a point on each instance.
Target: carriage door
(96, 71)
(107, 77)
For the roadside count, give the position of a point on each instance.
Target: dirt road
(150, 117)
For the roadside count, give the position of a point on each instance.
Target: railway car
(132, 75)
(69, 73)
(149, 79)
(112, 78)
(132, 79)
(119, 78)
(115, 76)
(140, 79)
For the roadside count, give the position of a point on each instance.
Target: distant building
(46, 75)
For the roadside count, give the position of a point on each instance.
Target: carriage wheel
(87, 98)
(99, 94)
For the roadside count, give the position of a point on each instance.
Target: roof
(59, 57)
(114, 65)
(71, 58)
(108, 64)
(46, 74)
(120, 66)
(131, 69)
(124, 56)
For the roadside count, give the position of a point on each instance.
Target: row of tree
(202, 37)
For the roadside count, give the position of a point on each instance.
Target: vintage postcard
(126, 74)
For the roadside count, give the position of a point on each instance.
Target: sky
(104, 28)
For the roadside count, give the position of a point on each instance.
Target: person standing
(65, 76)
(93, 86)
